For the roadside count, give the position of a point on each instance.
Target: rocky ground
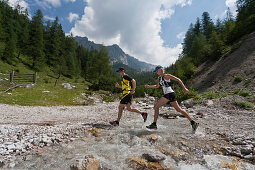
(80, 137)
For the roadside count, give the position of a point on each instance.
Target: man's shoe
(144, 115)
(194, 126)
(152, 126)
(114, 123)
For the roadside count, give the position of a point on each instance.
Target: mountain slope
(221, 75)
(117, 55)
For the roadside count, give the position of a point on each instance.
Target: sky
(149, 30)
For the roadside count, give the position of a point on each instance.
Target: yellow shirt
(126, 84)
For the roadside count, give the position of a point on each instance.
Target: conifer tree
(36, 43)
(207, 25)
(188, 40)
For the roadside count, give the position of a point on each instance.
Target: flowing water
(115, 146)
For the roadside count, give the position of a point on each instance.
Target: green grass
(36, 96)
(238, 79)
(213, 95)
(244, 105)
(247, 82)
(242, 93)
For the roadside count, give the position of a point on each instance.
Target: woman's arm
(169, 76)
(152, 86)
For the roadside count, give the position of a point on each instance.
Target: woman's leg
(162, 101)
(179, 109)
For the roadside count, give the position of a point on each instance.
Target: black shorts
(127, 99)
(170, 96)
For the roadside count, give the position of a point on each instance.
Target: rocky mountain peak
(117, 55)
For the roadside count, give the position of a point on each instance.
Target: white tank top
(166, 85)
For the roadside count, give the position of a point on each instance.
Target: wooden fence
(22, 78)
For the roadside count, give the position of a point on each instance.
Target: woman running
(164, 80)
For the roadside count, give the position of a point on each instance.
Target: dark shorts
(170, 96)
(127, 99)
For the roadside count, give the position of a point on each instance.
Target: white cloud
(134, 25)
(232, 6)
(69, 0)
(181, 35)
(72, 17)
(48, 3)
(55, 3)
(49, 18)
(22, 3)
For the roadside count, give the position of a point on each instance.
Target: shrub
(247, 82)
(244, 105)
(242, 93)
(108, 99)
(181, 96)
(238, 79)
(46, 80)
(213, 95)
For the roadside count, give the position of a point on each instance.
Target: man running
(164, 80)
(128, 86)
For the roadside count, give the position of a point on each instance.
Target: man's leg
(121, 108)
(132, 109)
(143, 114)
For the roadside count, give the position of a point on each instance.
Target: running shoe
(152, 126)
(194, 126)
(144, 115)
(114, 123)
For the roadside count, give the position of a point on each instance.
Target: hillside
(236, 70)
(117, 55)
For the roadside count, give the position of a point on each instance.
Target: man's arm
(117, 85)
(133, 86)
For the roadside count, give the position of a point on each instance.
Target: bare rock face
(86, 163)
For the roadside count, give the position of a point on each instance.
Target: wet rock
(139, 163)
(223, 162)
(250, 157)
(247, 149)
(238, 141)
(233, 151)
(174, 152)
(154, 138)
(153, 156)
(12, 165)
(200, 114)
(1, 163)
(86, 163)
(94, 132)
(189, 103)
